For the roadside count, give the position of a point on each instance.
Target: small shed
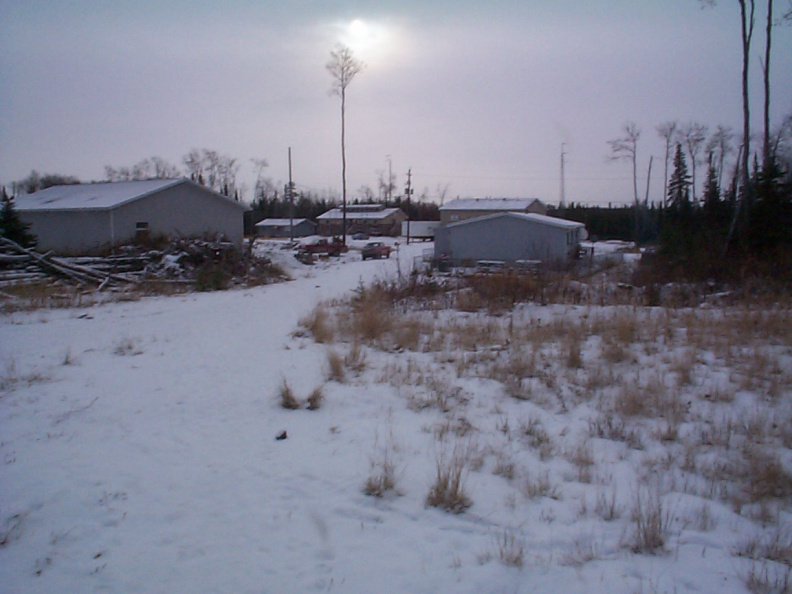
(371, 219)
(86, 218)
(510, 238)
(462, 209)
(283, 228)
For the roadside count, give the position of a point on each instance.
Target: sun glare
(370, 41)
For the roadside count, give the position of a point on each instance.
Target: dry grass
(335, 367)
(448, 490)
(510, 549)
(651, 522)
(606, 506)
(316, 398)
(287, 398)
(582, 458)
(539, 486)
(355, 359)
(382, 478)
(319, 324)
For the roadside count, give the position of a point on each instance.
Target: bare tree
(667, 131)
(626, 148)
(343, 67)
(692, 136)
(259, 165)
(720, 145)
(747, 20)
(153, 168)
(213, 170)
(442, 191)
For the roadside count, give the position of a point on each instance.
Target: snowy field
(601, 449)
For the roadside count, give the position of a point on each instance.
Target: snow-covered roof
(100, 196)
(527, 216)
(491, 204)
(278, 222)
(338, 213)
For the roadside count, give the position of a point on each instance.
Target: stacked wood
(24, 258)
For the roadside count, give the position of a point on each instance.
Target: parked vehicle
(323, 246)
(359, 236)
(375, 249)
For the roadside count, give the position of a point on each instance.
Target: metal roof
(278, 222)
(490, 204)
(100, 196)
(526, 216)
(338, 213)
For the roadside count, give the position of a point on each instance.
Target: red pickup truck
(375, 249)
(323, 246)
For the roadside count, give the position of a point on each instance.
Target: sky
(477, 99)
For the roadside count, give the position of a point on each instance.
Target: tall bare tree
(747, 21)
(626, 148)
(766, 78)
(693, 136)
(667, 131)
(343, 67)
(720, 145)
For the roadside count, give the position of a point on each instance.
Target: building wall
(454, 216)
(185, 210)
(70, 232)
(506, 239)
(389, 225)
(303, 229)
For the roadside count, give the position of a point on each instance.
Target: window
(143, 226)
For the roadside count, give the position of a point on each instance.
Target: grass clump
(448, 490)
(287, 398)
(316, 398)
(335, 367)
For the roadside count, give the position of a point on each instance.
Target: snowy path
(149, 463)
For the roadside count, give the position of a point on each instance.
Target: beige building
(371, 219)
(468, 208)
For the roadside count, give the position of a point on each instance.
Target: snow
(139, 455)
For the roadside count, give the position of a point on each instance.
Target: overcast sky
(474, 96)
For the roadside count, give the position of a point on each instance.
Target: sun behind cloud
(371, 41)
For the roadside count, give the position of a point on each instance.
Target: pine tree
(712, 197)
(679, 183)
(11, 227)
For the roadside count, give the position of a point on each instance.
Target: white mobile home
(510, 238)
(89, 217)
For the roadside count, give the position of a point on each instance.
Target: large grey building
(510, 237)
(87, 218)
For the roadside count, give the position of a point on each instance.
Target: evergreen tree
(712, 196)
(679, 183)
(11, 227)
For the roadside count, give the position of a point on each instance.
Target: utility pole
(290, 192)
(389, 189)
(408, 191)
(562, 201)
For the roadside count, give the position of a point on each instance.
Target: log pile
(180, 261)
(19, 264)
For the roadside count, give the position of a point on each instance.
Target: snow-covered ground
(139, 454)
